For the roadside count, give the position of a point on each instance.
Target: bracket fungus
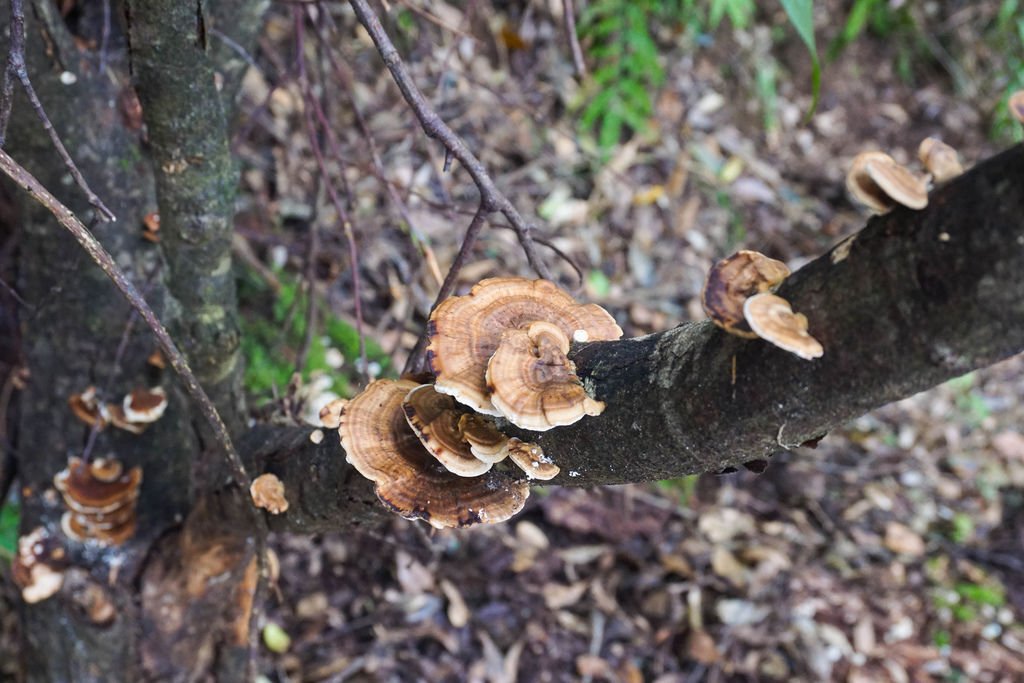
(267, 493)
(484, 439)
(773, 319)
(532, 382)
(101, 498)
(465, 331)
(381, 445)
(143, 406)
(137, 410)
(939, 159)
(435, 418)
(88, 409)
(38, 568)
(732, 281)
(531, 459)
(878, 182)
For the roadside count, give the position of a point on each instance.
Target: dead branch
(492, 199)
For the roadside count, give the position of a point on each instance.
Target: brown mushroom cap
(38, 567)
(878, 182)
(533, 383)
(531, 459)
(380, 444)
(101, 499)
(732, 280)
(116, 415)
(435, 418)
(465, 330)
(267, 492)
(87, 409)
(939, 159)
(485, 441)
(145, 405)
(772, 318)
(84, 491)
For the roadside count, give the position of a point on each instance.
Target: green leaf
(611, 130)
(801, 15)
(8, 530)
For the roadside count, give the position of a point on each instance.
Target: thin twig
(414, 364)
(491, 198)
(419, 240)
(339, 206)
(16, 66)
(106, 262)
(569, 15)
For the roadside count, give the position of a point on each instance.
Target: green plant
(1007, 36)
(9, 518)
(270, 343)
(683, 488)
(617, 94)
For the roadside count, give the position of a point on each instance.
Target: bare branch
(434, 126)
(415, 362)
(569, 16)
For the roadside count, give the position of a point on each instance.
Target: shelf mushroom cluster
(136, 411)
(738, 297)
(878, 182)
(499, 352)
(101, 497)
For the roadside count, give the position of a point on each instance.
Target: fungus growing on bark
(330, 414)
(734, 279)
(878, 182)
(115, 414)
(87, 409)
(532, 382)
(101, 498)
(939, 159)
(435, 418)
(465, 331)
(267, 493)
(484, 439)
(772, 318)
(531, 460)
(143, 406)
(38, 568)
(381, 445)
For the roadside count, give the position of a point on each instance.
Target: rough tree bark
(916, 298)
(166, 626)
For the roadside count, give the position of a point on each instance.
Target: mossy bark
(196, 182)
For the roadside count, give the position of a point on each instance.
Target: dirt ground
(893, 551)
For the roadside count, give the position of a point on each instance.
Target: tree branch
(914, 299)
(434, 126)
(196, 183)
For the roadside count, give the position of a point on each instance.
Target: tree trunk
(170, 621)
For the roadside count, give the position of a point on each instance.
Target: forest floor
(893, 551)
